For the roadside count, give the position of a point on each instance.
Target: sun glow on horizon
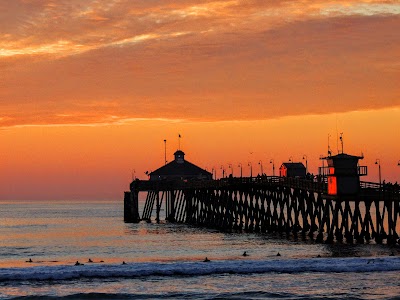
(99, 170)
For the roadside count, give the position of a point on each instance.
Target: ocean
(166, 261)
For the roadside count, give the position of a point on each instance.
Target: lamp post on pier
(291, 159)
(305, 157)
(251, 169)
(322, 172)
(273, 166)
(231, 167)
(261, 167)
(241, 169)
(223, 171)
(378, 162)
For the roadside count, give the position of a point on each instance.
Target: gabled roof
(290, 165)
(184, 168)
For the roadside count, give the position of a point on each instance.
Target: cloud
(39, 27)
(217, 60)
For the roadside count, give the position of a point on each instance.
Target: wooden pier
(299, 207)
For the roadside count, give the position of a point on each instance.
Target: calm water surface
(165, 260)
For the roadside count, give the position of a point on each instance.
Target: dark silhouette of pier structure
(334, 206)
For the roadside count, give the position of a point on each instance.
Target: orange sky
(89, 90)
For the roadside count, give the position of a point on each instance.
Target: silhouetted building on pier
(180, 169)
(292, 169)
(343, 173)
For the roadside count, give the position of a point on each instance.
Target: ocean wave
(170, 295)
(136, 270)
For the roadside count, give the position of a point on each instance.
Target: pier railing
(315, 185)
(165, 185)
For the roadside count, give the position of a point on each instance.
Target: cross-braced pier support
(276, 204)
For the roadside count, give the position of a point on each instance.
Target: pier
(334, 207)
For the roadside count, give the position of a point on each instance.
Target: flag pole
(165, 152)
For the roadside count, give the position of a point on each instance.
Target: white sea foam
(132, 270)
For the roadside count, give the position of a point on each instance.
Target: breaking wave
(136, 270)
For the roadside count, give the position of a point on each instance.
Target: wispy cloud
(31, 28)
(84, 62)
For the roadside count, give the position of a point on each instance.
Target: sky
(90, 89)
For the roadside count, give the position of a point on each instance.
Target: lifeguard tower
(343, 174)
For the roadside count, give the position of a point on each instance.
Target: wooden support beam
(267, 205)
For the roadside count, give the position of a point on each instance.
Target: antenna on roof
(329, 148)
(179, 141)
(337, 138)
(341, 140)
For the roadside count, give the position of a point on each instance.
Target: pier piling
(273, 204)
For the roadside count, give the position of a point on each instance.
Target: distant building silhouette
(292, 169)
(180, 169)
